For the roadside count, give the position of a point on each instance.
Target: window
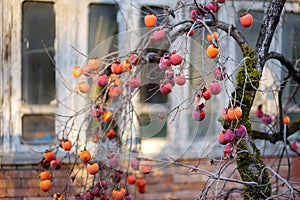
(102, 25)
(38, 74)
(150, 96)
(149, 92)
(291, 49)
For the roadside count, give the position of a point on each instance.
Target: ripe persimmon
(76, 72)
(150, 20)
(141, 190)
(235, 113)
(286, 120)
(117, 68)
(130, 179)
(111, 134)
(212, 51)
(107, 116)
(118, 194)
(92, 168)
(210, 37)
(246, 20)
(66, 145)
(49, 155)
(85, 156)
(45, 175)
(45, 185)
(141, 182)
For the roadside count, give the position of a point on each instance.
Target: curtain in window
(102, 25)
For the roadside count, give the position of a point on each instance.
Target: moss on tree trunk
(249, 162)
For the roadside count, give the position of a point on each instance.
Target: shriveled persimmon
(57, 196)
(145, 166)
(94, 63)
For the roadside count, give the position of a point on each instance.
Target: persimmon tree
(103, 145)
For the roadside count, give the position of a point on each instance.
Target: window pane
(291, 49)
(250, 33)
(38, 75)
(151, 74)
(38, 128)
(152, 126)
(102, 25)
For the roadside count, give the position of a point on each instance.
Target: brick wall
(171, 182)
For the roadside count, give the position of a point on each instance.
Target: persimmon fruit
(286, 120)
(92, 168)
(214, 35)
(130, 179)
(85, 156)
(246, 20)
(107, 116)
(150, 20)
(66, 145)
(212, 51)
(45, 175)
(45, 185)
(49, 155)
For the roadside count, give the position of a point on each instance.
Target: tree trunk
(250, 164)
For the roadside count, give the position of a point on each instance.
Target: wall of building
(20, 182)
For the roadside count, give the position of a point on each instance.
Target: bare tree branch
(293, 72)
(275, 137)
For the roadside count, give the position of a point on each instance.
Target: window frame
(11, 105)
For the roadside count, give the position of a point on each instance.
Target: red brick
(30, 183)
(3, 174)
(27, 192)
(3, 193)
(21, 174)
(10, 183)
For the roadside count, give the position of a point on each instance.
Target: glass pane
(250, 33)
(291, 49)
(38, 128)
(152, 126)
(149, 92)
(38, 74)
(151, 74)
(102, 25)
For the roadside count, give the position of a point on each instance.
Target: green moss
(247, 165)
(249, 162)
